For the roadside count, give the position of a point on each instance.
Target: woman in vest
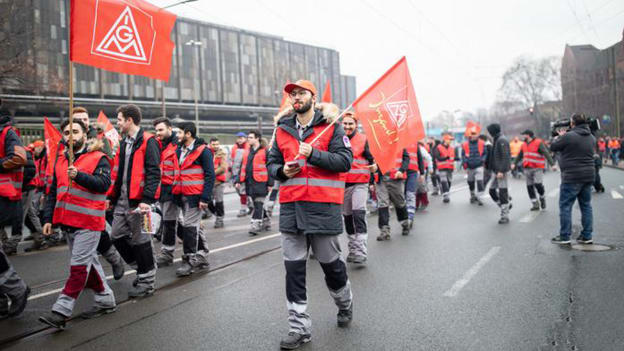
(77, 204)
(254, 176)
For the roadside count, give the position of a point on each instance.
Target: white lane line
(553, 193)
(529, 217)
(56, 291)
(454, 290)
(616, 195)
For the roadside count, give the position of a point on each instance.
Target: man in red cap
(308, 156)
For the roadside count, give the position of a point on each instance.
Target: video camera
(564, 124)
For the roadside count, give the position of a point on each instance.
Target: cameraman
(576, 160)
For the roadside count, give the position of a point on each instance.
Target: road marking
(529, 217)
(56, 291)
(616, 195)
(454, 290)
(553, 192)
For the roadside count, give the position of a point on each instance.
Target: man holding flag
(308, 155)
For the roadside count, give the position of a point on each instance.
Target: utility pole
(615, 93)
(196, 45)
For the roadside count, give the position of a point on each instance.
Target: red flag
(390, 115)
(125, 36)
(285, 98)
(111, 133)
(327, 94)
(470, 126)
(52, 143)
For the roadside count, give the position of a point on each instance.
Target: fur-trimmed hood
(95, 144)
(329, 112)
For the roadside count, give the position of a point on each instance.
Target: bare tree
(17, 68)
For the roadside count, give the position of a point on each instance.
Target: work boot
(17, 292)
(185, 269)
(384, 233)
(54, 319)
(446, 199)
(344, 317)
(219, 223)
(542, 200)
(242, 212)
(294, 340)
(141, 291)
(37, 246)
(435, 192)
(266, 224)
(9, 249)
(98, 311)
(256, 227)
(406, 227)
(536, 206)
(118, 270)
(199, 261)
(350, 256)
(473, 198)
(269, 210)
(164, 258)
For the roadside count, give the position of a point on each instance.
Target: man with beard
(136, 186)
(193, 194)
(170, 170)
(309, 165)
(256, 180)
(236, 159)
(216, 205)
(77, 203)
(444, 154)
(105, 247)
(32, 220)
(499, 163)
(534, 154)
(357, 182)
(473, 159)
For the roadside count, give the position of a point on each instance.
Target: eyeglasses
(294, 94)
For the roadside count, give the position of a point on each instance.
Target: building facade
(236, 75)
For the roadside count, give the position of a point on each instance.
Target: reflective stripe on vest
(412, 150)
(191, 175)
(359, 172)
(531, 158)
(10, 181)
(169, 165)
(77, 206)
(137, 175)
(446, 152)
(312, 184)
(259, 170)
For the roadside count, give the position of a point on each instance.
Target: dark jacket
(473, 160)
(166, 191)
(576, 155)
(30, 171)
(151, 165)
(499, 159)
(98, 182)
(14, 157)
(106, 146)
(205, 161)
(305, 217)
(253, 188)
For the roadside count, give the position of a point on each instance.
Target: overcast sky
(457, 50)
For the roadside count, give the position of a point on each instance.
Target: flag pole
(71, 113)
(331, 124)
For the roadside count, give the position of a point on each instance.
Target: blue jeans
(569, 192)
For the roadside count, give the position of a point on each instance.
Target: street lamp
(196, 44)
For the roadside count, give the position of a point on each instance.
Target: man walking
(534, 154)
(309, 165)
(217, 206)
(444, 154)
(499, 163)
(473, 159)
(236, 160)
(391, 187)
(256, 180)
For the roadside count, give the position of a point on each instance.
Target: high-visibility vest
(398, 162)
(11, 180)
(235, 150)
(614, 144)
(217, 163)
(137, 176)
(515, 147)
(480, 146)
(412, 150)
(312, 183)
(602, 146)
(531, 158)
(359, 172)
(169, 165)
(448, 152)
(259, 169)
(191, 175)
(77, 206)
(39, 180)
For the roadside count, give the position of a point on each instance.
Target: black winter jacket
(14, 157)
(166, 191)
(151, 165)
(499, 159)
(253, 188)
(303, 217)
(576, 155)
(30, 171)
(205, 161)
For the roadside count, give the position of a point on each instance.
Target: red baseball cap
(302, 84)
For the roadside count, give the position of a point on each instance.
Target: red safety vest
(446, 152)
(137, 176)
(260, 173)
(359, 172)
(480, 145)
(412, 150)
(235, 149)
(531, 158)
(397, 165)
(312, 183)
(39, 181)
(10, 181)
(191, 175)
(614, 144)
(77, 206)
(217, 162)
(602, 146)
(169, 165)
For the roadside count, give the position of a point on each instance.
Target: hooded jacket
(576, 155)
(304, 217)
(205, 161)
(499, 159)
(14, 157)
